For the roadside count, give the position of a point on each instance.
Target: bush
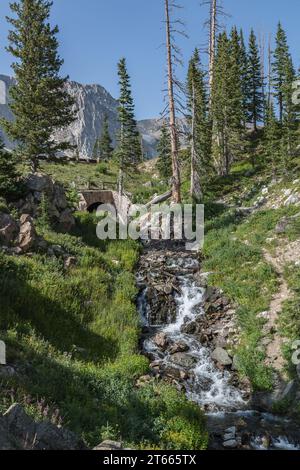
(102, 168)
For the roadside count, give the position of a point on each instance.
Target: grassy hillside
(72, 338)
(234, 249)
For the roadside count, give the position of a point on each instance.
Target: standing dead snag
(176, 182)
(212, 40)
(212, 24)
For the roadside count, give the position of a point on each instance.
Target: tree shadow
(24, 307)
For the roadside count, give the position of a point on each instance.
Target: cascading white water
(208, 386)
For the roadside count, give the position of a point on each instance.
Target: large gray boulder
(59, 199)
(109, 445)
(19, 431)
(183, 360)
(8, 228)
(66, 221)
(39, 182)
(221, 356)
(27, 236)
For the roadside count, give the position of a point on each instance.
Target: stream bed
(182, 325)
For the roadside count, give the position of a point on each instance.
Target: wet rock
(231, 444)
(231, 430)
(161, 341)
(179, 346)
(183, 360)
(189, 328)
(221, 356)
(175, 373)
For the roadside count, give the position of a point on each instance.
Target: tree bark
(212, 41)
(159, 198)
(176, 183)
(195, 191)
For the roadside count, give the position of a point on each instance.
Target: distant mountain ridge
(93, 102)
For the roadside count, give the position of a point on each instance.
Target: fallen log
(159, 198)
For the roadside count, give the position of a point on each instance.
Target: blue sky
(94, 34)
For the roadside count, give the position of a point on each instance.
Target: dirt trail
(285, 254)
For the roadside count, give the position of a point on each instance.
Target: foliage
(40, 102)
(10, 187)
(74, 336)
(103, 149)
(128, 151)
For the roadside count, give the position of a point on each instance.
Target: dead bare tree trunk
(269, 72)
(176, 183)
(195, 191)
(212, 40)
(262, 69)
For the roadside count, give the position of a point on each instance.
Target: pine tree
(200, 135)
(105, 142)
(164, 161)
(255, 84)
(128, 151)
(272, 137)
(244, 75)
(283, 79)
(40, 101)
(281, 68)
(227, 105)
(8, 173)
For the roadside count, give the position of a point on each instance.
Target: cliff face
(92, 102)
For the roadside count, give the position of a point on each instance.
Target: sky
(95, 34)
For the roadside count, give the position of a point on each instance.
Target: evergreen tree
(40, 103)
(128, 151)
(164, 161)
(227, 105)
(255, 84)
(8, 173)
(200, 135)
(105, 147)
(281, 69)
(272, 137)
(283, 79)
(244, 76)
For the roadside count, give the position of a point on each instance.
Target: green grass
(103, 175)
(234, 253)
(72, 336)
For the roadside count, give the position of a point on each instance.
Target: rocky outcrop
(40, 185)
(19, 431)
(8, 228)
(27, 235)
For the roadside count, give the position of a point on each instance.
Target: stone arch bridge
(90, 199)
